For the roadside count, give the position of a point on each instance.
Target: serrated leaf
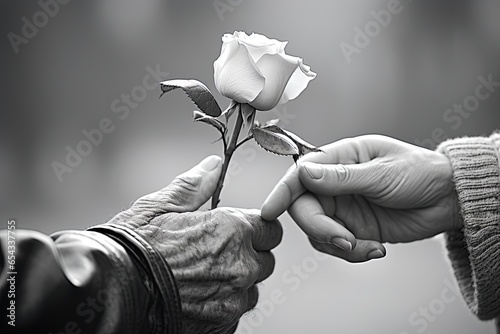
(199, 116)
(197, 92)
(303, 146)
(274, 142)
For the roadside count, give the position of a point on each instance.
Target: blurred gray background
(81, 60)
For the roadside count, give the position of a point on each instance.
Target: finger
(328, 203)
(283, 194)
(253, 297)
(187, 192)
(340, 179)
(267, 262)
(308, 213)
(289, 188)
(232, 329)
(266, 235)
(365, 250)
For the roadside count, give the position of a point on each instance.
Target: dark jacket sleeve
(85, 282)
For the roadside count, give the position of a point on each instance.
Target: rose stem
(228, 154)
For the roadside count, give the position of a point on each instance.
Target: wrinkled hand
(364, 191)
(216, 256)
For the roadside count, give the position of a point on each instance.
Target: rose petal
(277, 69)
(259, 45)
(226, 39)
(236, 76)
(228, 48)
(297, 83)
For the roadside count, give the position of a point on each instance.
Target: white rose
(255, 70)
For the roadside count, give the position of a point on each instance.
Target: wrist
(457, 221)
(475, 172)
(454, 221)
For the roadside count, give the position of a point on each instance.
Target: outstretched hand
(216, 256)
(364, 191)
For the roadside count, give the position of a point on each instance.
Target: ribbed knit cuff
(474, 251)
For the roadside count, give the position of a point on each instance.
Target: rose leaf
(276, 143)
(303, 146)
(197, 92)
(199, 116)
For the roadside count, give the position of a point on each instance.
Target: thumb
(187, 192)
(339, 179)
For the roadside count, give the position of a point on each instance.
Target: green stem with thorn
(228, 154)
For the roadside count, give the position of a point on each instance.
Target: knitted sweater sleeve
(474, 251)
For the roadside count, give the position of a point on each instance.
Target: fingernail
(210, 163)
(315, 172)
(342, 243)
(375, 254)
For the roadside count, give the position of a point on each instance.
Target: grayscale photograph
(250, 167)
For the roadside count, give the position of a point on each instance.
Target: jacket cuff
(474, 250)
(156, 274)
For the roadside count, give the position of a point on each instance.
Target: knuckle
(317, 234)
(254, 270)
(229, 217)
(234, 225)
(246, 223)
(186, 183)
(250, 212)
(247, 273)
(178, 192)
(387, 178)
(243, 226)
(341, 173)
(284, 184)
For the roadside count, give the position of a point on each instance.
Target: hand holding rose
(364, 191)
(216, 256)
